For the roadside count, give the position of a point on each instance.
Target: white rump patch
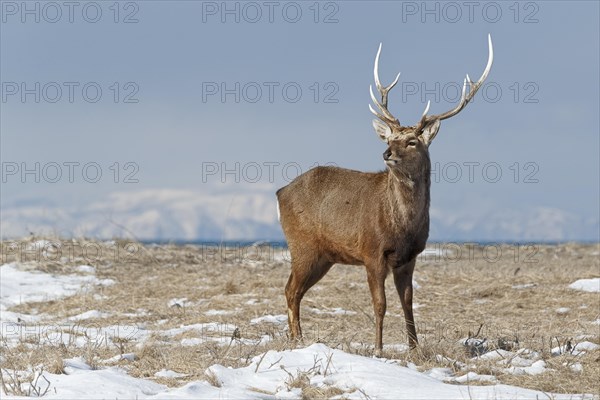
(278, 213)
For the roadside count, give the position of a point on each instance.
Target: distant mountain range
(167, 214)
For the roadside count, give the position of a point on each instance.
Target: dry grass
(466, 294)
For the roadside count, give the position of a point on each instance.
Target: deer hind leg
(303, 276)
(376, 280)
(403, 280)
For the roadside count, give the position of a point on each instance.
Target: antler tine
(381, 117)
(383, 90)
(380, 87)
(382, 106)
(426, 109)
(473, 87)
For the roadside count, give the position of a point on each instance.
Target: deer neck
(408, 195)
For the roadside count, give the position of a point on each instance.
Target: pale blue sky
(546, 67)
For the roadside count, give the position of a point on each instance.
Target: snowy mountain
(250, 214)
(154, 214)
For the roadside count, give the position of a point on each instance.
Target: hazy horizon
(180, 119)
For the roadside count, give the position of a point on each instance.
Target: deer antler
(386, 116)
(464, 98)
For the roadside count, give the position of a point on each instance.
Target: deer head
(405, 140)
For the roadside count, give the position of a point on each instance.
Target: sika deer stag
(380, 220)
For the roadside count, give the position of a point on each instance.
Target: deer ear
(429, 131)
(382, 129)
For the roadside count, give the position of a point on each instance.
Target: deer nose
(387, 154)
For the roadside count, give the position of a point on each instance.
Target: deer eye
(412, 143)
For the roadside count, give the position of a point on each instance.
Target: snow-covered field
(284, 375)
(312, 370)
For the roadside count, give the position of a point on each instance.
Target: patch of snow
(270, 373)
(129, 332)
(218, 312)
(18, 286)
(192, 341)
(518, 361)
(167, 373)
(587, 285)
(439, 373)
(82, 382)
(77, 334)
(10, 318)
(120, 357)
(536, 368)
(86, 269)
(73, 364)
(449, 361)
(211, 328)
(223, 340)
(524, 286)
(577, 367)
(399, 347)
(472, 377)
(38, 244)
(578, 349)
(88, 315)
(588, 346)
(562, 310)
(333, 311)
(271, 319)
(375, 377)
(182, 302)
(412, 366)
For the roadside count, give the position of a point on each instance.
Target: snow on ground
(536, 368)
(219, 333)
(71, 334)
(587, 285)
(524, 286)
(211, 328)
(333, 311)
(211, 313)
(167, 373)
(578, 349)
(89, 315)
(81, 382)
(472, 377)
(86, 269)
(178, 302)
(271, 376)
(18, 286)
(272, 319)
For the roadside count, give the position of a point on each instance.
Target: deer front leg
(377, 286)
(403, 280)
